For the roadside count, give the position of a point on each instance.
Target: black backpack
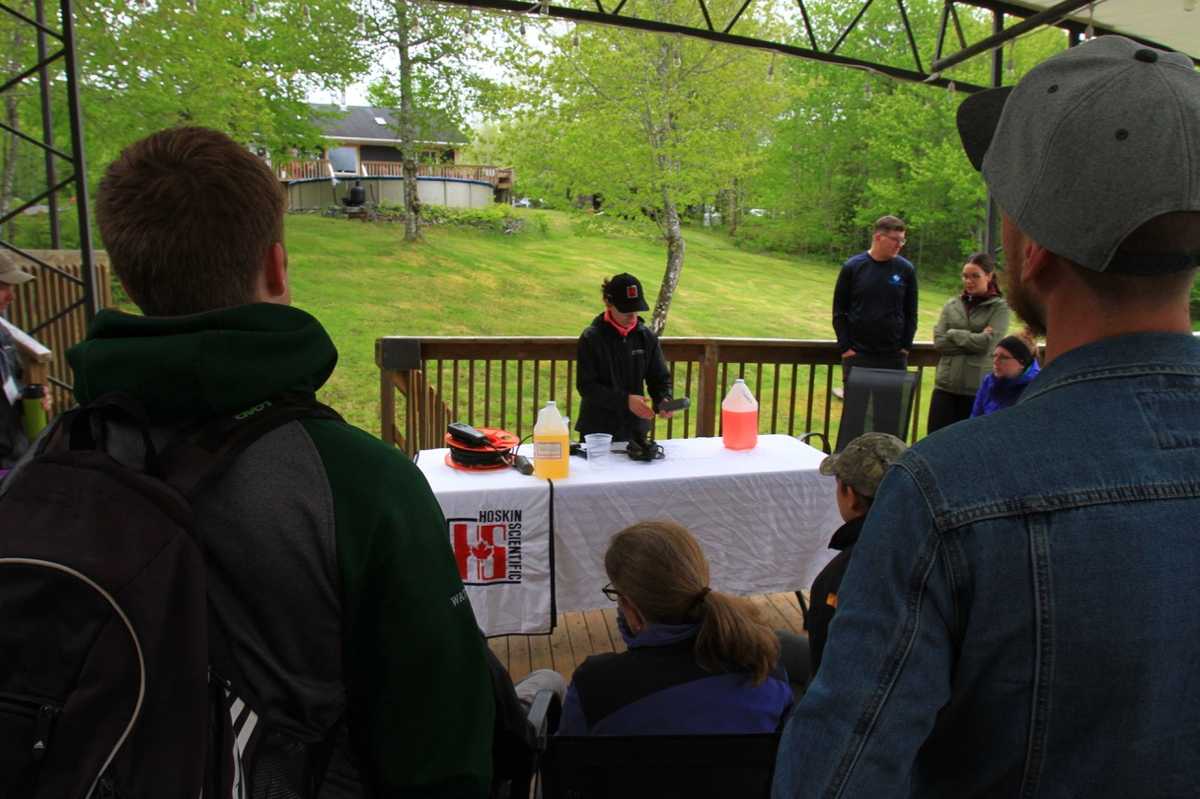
(114, 679)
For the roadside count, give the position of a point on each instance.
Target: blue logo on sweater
(896, 279)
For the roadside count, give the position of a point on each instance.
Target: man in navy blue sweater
(875, 302)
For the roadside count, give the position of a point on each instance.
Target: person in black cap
(1021, 616)
(619, 360)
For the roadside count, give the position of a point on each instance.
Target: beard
(1024, 303)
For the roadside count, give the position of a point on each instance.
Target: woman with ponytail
(970, 325)
(698, 661)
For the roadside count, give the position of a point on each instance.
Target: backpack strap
(198, 455)
(84, 428)
(201, 454)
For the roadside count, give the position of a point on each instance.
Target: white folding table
(528, 549)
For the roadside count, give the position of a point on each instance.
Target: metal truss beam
(726, 36)
(713, 31)
(1055, 16)
(71, 160)
(1050, 16)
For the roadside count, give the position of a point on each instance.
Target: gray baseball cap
(1090, 145)
(10, 273)
(864, 461)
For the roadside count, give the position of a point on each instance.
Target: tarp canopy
(1174, 23)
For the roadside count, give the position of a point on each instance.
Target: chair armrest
(541, 715)
(804, 437)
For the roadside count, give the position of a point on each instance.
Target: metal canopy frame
(72, 160)
(713, 30)
(724, 31)
(1029, 20)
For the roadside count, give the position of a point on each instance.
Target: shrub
(589, 224)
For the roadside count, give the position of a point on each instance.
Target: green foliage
(856, 146)
(243, 68)
(637, 117)
(497, 218)
(603, 224)
(32, 231)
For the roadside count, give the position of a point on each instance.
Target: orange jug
(739, 417)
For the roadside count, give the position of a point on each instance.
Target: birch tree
(652, 123)
(428, 55)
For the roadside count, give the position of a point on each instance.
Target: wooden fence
(428, 382)
(39, 311)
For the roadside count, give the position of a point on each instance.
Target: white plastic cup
(599, 447)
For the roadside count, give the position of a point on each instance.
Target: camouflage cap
(864, 461)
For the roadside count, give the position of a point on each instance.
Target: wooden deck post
(706, 405)
(387, 406)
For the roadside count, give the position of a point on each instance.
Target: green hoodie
(342, 539)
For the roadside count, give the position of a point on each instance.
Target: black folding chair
(654, 766)
(876, 401)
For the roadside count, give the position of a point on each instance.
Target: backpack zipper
(137, 645)
(43, 714)
(41, 730)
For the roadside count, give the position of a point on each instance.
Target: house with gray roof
(362, 148)
(359, 133)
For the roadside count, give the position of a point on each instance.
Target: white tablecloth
(763, 517)
(499, 526)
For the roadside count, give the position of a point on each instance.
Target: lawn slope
(362, 281)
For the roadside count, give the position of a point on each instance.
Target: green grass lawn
(362, 281)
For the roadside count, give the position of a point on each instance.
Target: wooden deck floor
(578, 635)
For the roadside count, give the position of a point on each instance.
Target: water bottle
(33, 415)
(739, 417)
(551, 444)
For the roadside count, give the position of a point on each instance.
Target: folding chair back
(876, 401)
(659, 766)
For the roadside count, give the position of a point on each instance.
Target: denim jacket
(1021, 617)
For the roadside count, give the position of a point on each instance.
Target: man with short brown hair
(875, 301)
(184, 203)
(327, 555)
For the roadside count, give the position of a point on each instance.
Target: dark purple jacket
(998, 393)
(657, 688)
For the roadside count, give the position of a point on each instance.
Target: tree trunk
(408, 133)
(734, 209)
(8, 175)
(673, 233)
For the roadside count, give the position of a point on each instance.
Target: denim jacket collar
(1118, 357)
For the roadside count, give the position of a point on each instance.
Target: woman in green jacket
(965, 334)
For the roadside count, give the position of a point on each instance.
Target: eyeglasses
(897, 240)
(610, 592)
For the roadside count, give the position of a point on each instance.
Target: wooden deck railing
(35, 356)
(39, 310)
(426, 383)
(500, 177)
